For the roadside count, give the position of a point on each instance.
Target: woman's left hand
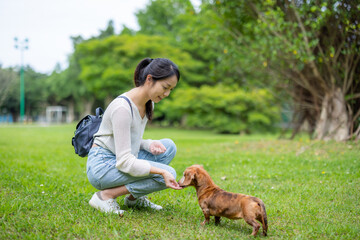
(157, 148)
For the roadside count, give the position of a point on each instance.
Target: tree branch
(267, 23)
(307, 48)
(357, 133)
(346, 73)
(338, 51)
(330, 69)
(357, 114)
(353, 68)
(355, 96)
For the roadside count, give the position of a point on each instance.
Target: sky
(49, 24)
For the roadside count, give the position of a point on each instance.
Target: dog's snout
(181, 181)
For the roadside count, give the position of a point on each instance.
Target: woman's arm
(126, 162)
(168, 177)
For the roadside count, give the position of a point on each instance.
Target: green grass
(311, 189)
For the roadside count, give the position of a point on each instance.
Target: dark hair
(158, 68)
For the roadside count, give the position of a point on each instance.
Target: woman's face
(161, 89)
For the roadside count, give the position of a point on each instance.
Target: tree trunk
(88, 106)
(333, 123)
(71, 112)
(108, 100)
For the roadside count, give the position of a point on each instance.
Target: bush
(223, 109)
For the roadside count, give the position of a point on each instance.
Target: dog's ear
(189, 177)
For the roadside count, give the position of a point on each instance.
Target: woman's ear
(149, 81)
(149, 77)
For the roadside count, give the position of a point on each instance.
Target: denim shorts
(103, 174)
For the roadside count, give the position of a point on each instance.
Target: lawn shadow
(235, 226)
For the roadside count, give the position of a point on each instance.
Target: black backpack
(85, 130)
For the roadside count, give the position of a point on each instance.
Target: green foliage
(190, 31)
(108, 64)
(281, 37)
(35, 92)
(68, 80)
(310, 188)
(305, 48)
(9, 93)
(164, 17)
(109, 31)
(224, 109)
(249, 44)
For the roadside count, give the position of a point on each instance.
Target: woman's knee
(92, 179)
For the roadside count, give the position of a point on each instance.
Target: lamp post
(22, 45)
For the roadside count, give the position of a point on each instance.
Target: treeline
(241, 63)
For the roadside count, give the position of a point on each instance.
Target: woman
(120, 162)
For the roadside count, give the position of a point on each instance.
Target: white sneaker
(141, 202)
(108, 206)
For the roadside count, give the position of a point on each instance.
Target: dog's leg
(263, 220)
(254, 224)
(206, 215)
(217, 220)
(206, 221)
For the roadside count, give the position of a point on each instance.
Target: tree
(7, 79)
(107, 65)
(164, 17)
(310, 48)
(64, 87)
(178, 21)
(9, 92)
(109, 31)
(225, 109)
(34, 92)
(197, 34)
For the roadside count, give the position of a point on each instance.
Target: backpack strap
(128, 103)
(99, 111)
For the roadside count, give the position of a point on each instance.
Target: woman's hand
(170, 181)
(157, 148)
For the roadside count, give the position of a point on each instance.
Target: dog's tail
(264, 218)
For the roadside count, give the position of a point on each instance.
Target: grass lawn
(311, 189)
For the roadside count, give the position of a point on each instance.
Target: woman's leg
(152, 184)
(156, 182)
(103, 174)
(114, 192)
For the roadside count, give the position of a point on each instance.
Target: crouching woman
(122, 163)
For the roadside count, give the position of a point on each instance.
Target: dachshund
(216, 202)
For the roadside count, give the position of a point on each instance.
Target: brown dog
(216, 202)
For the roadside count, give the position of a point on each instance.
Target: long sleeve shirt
(121, 132)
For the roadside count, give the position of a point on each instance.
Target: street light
(22, 45)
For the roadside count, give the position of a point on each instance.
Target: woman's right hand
(170, 181)
(168, 177)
